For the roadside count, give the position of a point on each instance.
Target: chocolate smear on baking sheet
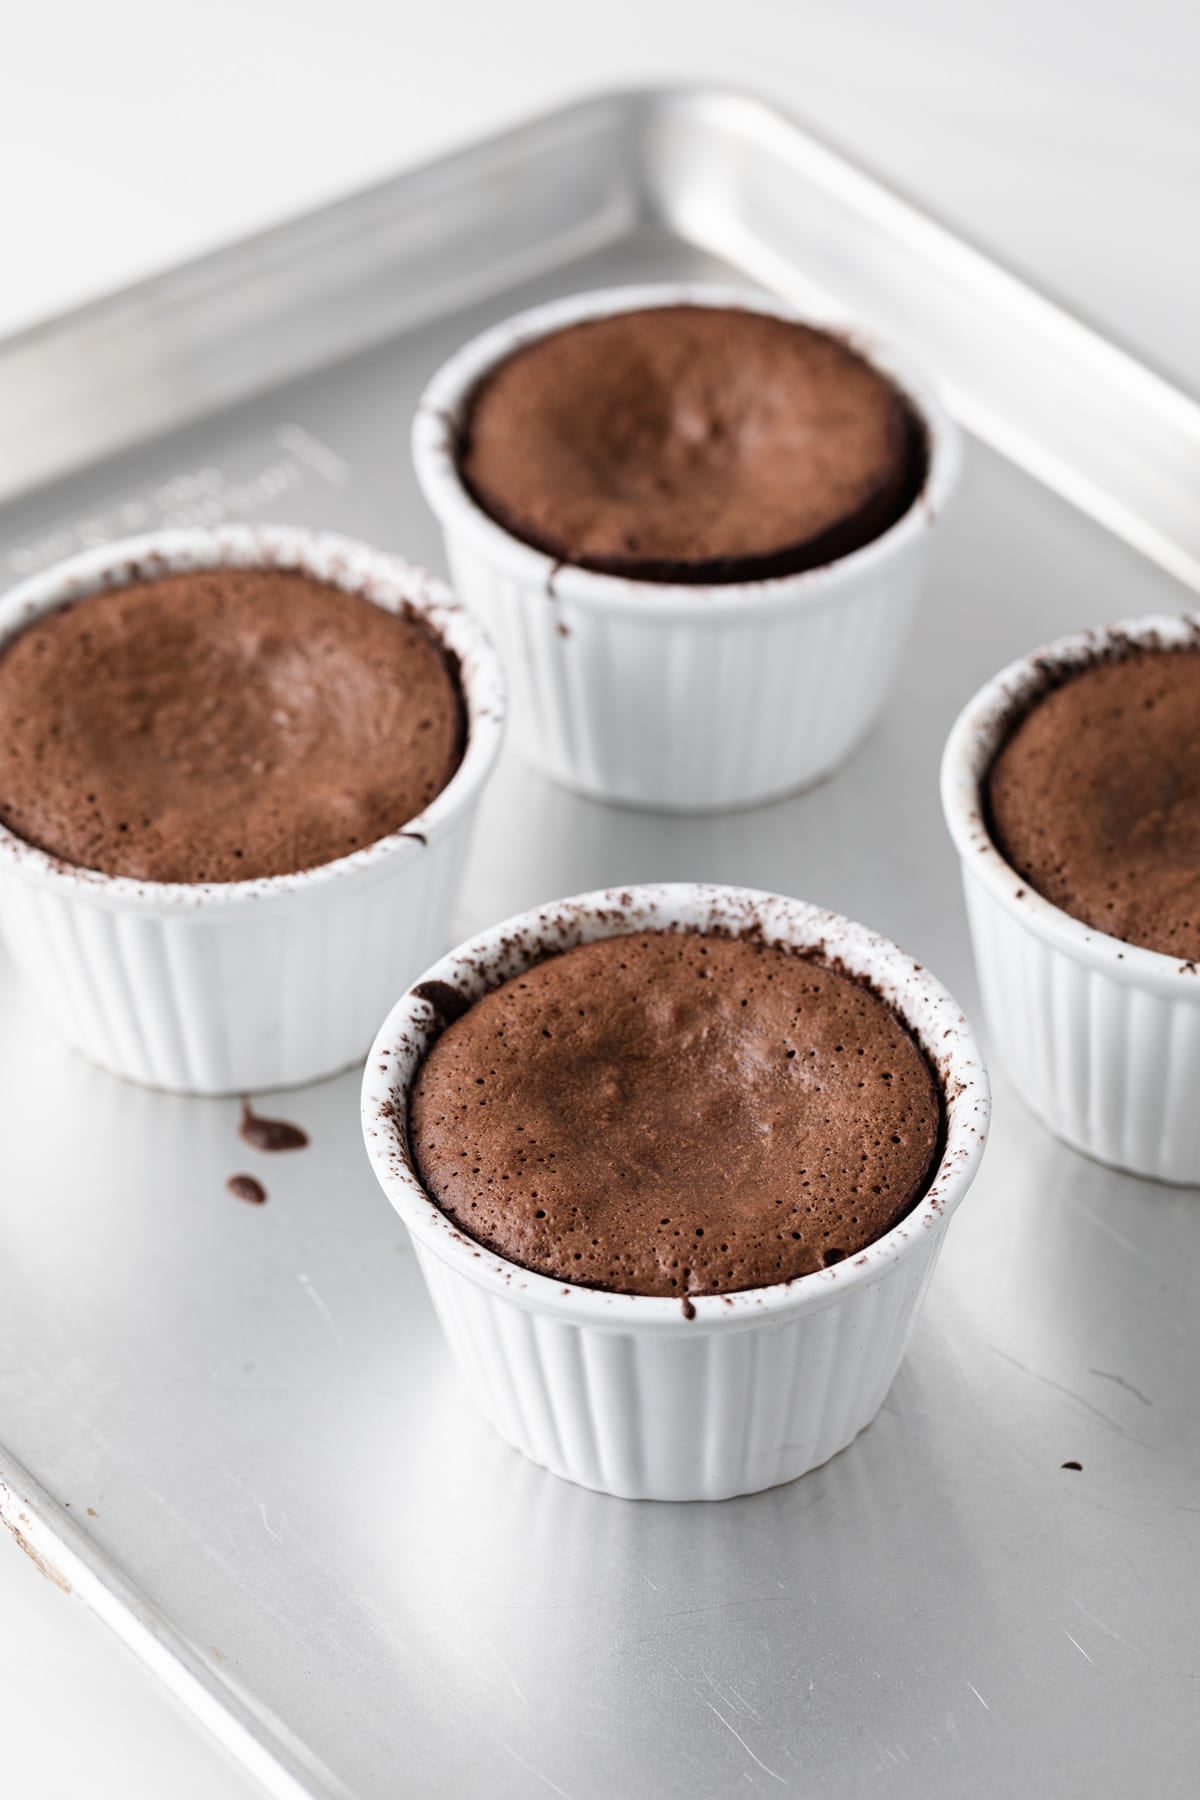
(269, 1134)
(245, 1187)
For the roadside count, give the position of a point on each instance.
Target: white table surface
(1066, 137)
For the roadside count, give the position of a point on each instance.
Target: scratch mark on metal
(745, 1704)
(1105, 1418)
(1048, 1381)
(979, 1696)
(1121, 1382)
(451, 1694)
(781, 1779)
(1103, 1627)
(321, 1307)
(1078, 1646)
(492, 1651)
(1128, 1244)
(719, 1692)
(1142, 1522)
(251, 1495)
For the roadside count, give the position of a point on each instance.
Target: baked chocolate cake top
(222, 725)
(692, 443)
(1095, 799)
(674, 1115)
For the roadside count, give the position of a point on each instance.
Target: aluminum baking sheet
(235, 1431)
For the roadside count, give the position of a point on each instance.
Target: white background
(1064, 134)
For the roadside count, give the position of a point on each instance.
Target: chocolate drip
(245, 1187)
(269, 1134)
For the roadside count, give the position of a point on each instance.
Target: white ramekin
(679, 697)
(621, 1392)
(1100, 1038)
(233, 986)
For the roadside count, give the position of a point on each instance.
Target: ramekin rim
(349, 563)
(435, 424)
(944, 1035)
(970, 749)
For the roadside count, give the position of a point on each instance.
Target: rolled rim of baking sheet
(386, 580)
(439, 416)
(975, 739)
(507, 949)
